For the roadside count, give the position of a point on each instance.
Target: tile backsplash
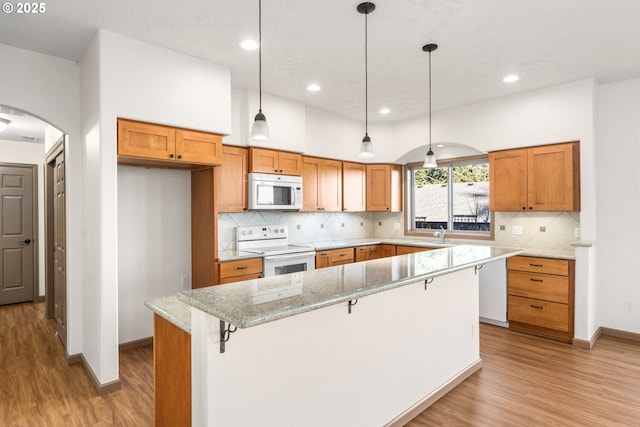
(540, 230)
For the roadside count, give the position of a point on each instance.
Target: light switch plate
(516, 229)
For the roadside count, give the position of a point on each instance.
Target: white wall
(618, 178)
(48, 88)
(32, 154)
(126, 78)
(154, 243)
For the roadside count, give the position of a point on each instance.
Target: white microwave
(274, 192)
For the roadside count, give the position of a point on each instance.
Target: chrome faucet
(442, 234)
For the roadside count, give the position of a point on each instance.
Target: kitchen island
(370, 343)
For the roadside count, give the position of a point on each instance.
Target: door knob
(27, 241)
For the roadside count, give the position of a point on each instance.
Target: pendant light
(4, 123)
(260, 130)
(366, 148)
(430, 160)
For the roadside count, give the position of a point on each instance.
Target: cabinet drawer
(240, 268)
(539, 265)
(540, 286)
(341, 256)
(536, 312)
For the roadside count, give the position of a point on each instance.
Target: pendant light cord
(260, 52)
(366, 78)
(429, 100)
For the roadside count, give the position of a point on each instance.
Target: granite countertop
(254, 302)
(172, 309)
(232, 254)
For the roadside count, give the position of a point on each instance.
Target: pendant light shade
(260, 129)
(366, 147)
(4, 123)
(430, 159)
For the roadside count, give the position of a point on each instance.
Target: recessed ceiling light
(249, 44)
(313, 87)
(439, 145)
(510, 78)
(385, 110)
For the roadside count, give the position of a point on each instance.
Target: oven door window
(294, 268)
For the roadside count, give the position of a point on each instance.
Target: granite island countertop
(254, 302)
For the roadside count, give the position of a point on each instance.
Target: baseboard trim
(73, 359)
(130, 345)
(588, 344)
(632, 336)
(429, 400)
(102, 389)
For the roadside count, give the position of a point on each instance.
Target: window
(453, 197)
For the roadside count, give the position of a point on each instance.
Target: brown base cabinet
(403, 250)
(171, 374)
(541, 296)
(334, 257)
(238, 270)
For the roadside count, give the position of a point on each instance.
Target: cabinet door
(146, 140)
(264, 161)
(354, 187)
(508, 180)
(331, 185)
(232, 184)
(384, 188)
(386, 250)
(378, 188)
(552, 185)
(403, 250)
(289, 163)
(322, 259)
(373, 252)
(198, 147)
(311, 180)
(362, 253)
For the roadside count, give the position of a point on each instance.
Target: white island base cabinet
(396, 353)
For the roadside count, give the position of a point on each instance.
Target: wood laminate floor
(38, 389)
(525, 381)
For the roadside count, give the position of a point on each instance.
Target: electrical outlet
(184, 282)
(298, 227)
(576, 232)
(396, 226)
(628, 306)
(516, 229)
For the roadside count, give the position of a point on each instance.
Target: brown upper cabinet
(544, 178)
(274, 161)
(322, 180)
(150, 144)
(354, 187)
(384, 188)
(232, 179)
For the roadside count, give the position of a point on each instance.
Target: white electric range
(278, 256)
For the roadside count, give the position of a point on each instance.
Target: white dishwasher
(493, 293)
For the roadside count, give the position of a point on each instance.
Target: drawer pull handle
(241, 268)
(536, 280)
(536, 265)
(536, 306)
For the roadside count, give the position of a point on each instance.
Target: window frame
(409, 197)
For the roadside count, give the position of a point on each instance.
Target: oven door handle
(289, 256)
